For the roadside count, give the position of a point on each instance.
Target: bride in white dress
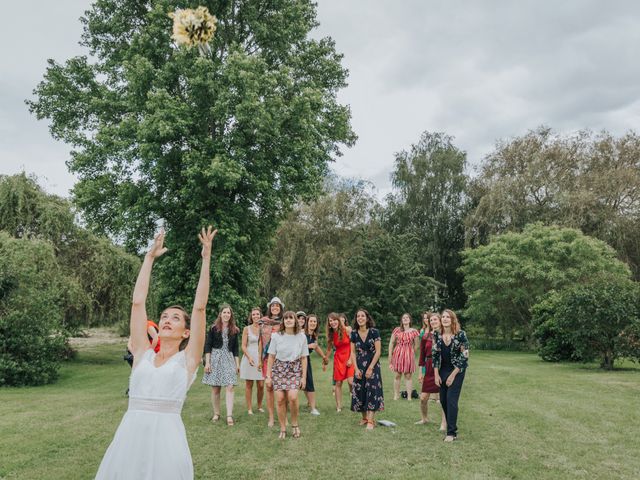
(150, 443)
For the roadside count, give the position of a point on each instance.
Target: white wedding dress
(150, 443)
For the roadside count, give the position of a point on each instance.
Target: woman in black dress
(366, 397)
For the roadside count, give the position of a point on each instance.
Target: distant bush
(32, 340)
(596, 320)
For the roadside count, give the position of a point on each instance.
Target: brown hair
(249, 319)
(410, 320)
(314, 334)
(370, 322)
(296, 327)
(341, 326)
(455, 323)
(426, 326)
(187, 323)
(434, 314)
(233, 329)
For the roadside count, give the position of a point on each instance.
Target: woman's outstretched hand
(158, 248)
(206, 239)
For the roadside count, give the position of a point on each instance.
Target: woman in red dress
(429, 388)
(338, 337)
(402, 361)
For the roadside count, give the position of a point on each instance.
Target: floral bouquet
(194, 28)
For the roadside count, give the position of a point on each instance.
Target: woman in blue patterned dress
(367, 397)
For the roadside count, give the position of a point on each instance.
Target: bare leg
(292, 396)
(270, 405)
(396, 386)
(260, 388)
(424, 406)
(215, 402)
(248, 394)
(338, 389)
(311, 398)
(408, 377)
(443, 421)
(370, 422)
(282, 410)
(229, 403)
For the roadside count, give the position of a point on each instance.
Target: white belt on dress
(155, 405)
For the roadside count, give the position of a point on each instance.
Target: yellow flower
(193, 27)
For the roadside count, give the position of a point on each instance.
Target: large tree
(231, 139)
(429, 203)
(585, 180)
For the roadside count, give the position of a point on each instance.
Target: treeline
(55, 279)
(545, 218)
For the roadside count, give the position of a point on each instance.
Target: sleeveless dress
(150, 442)
(367, 393)
(309, 387)
(403, 356)
(248, 372)
(343, 351)
(426, 361)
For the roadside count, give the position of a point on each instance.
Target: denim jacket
(459, 350)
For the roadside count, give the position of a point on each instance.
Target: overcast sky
(478, 70)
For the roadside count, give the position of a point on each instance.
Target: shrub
(32, 342)
(594, 320)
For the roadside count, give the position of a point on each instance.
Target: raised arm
(138, 322)
(198, 315)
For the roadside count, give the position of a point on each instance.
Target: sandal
(230, 421)
(296, 431)
(282, 435)
(215, 418)
(371, 424)
(363, 421)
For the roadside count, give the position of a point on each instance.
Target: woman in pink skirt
(402, 361)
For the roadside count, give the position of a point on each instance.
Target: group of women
(276, 353)
(150, 441)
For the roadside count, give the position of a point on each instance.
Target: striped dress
(403, 358)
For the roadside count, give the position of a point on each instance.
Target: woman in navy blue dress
(366, 397)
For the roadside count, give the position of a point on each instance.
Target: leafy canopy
(161, 134)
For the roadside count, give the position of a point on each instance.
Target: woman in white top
(287, 370)
(251, 365)
(150, 442)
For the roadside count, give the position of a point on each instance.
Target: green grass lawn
(519, 418)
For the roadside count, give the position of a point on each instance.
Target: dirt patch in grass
(95, 337)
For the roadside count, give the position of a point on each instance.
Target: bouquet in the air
(193, 28)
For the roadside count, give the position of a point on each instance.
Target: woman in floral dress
(366, 347)
(221, 361)
(402, 361)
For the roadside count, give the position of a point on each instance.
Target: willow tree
(161, 133)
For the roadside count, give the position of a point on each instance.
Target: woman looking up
(151, 441)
